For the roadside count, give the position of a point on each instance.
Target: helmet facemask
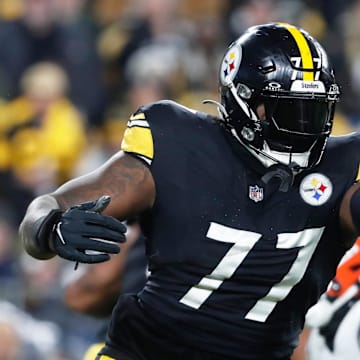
(295, 124)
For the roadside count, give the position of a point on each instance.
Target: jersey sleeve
(160, 133)
(138, 139)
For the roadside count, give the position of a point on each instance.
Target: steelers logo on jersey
(230, 64)
(316, 189)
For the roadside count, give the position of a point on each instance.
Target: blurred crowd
(71, 72)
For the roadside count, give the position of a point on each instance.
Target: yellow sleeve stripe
(92, 351)
(305, 53)
(140, 123)
(139, 116)
(138, 140)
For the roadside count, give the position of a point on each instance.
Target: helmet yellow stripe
(305, 53)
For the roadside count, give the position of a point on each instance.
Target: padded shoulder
(344, 151)
(154, 121)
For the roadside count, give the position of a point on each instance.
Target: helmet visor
(299, 116)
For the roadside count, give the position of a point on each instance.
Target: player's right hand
(84, 235)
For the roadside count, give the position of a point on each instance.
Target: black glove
(80, 229)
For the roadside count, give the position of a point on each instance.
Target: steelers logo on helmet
(230, 64)
(316, 189)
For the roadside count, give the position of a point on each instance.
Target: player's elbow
(29, 245)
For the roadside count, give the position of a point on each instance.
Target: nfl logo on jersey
(256, 193)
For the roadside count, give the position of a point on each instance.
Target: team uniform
(339, 339)
(334, 320)
(234, 263)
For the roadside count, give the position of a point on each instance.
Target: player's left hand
(83, 234)
(82, 229)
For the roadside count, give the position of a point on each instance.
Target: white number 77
(244, 241)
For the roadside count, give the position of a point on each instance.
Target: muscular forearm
(78, 216)
(38, 209)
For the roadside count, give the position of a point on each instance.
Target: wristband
(44, 227)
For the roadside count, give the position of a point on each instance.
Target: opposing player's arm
(95, 292)
(56, 224)
(350, 214)
(300, 352)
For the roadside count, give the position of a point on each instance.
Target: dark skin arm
(125, 179)
(350, 233)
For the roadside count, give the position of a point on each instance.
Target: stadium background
(71, 72)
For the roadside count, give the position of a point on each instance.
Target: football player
(333, 325)
(247, 215)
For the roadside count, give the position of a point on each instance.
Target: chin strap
(282, 173)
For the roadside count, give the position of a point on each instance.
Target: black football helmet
(278, 94)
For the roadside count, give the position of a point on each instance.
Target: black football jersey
(234, 263)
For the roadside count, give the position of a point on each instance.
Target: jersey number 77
(244, 242)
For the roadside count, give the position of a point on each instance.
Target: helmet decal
(297, 61)
(304, 49)
(334, 92)
(230, 64)
(308, 86)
